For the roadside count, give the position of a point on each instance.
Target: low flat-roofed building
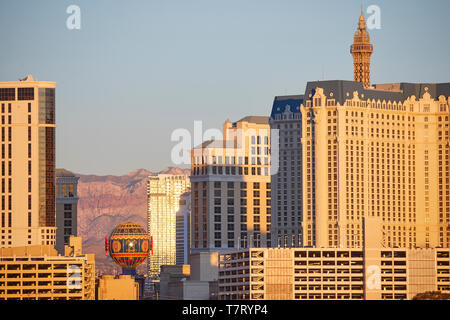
(332, 273)
(39, 273)
(170, 278)
(123, 287)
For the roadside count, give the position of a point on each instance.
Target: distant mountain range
(105, 202)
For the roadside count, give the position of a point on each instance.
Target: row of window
(9, 94)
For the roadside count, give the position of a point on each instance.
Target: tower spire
(361, 50)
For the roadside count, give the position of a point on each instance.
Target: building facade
(363, 151)
(27, 163)
(332, 274)
(164, 193)
(39, 273)
(286, 182)
(230, 195)
(122, 287)
(66, 208)
(381, 152)
(183, 230)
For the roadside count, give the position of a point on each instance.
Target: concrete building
(123, 287)
(183, 232)
(332, 273)
(171, 281)
(66, 208)
(39, 273)
(27, 214)
(164, 193)
(286, 183)
(380, 151)
(199, 281)
(230, 195)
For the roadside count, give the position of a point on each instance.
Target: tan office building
(66, 208)
(123, 287)
(230, 195)
(332, 274)
(164, 194)
(27, 214)
(39, 273)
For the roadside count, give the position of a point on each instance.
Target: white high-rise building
(164, 192)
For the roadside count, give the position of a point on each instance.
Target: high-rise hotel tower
(27, 212)
(164, 192)
(350, 150)
(230, 196)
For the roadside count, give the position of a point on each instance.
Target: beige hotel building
(230, 197)
(376, 151)
(332, 273)
(27, 212)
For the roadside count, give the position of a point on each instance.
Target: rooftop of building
(29, 80)
(211, 144)
(254, 119)
(63, 173)
(341, 90)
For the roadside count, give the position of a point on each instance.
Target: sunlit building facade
(164, 194)
(27, 211)
(364, 151)
(230, 195)
(40, 273)
(381, 152)
(332, 274)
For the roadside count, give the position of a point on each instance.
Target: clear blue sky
(137, 70)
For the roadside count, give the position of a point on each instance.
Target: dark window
(25, 94)
(7, 94)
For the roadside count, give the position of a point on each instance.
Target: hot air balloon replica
(128, 246)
